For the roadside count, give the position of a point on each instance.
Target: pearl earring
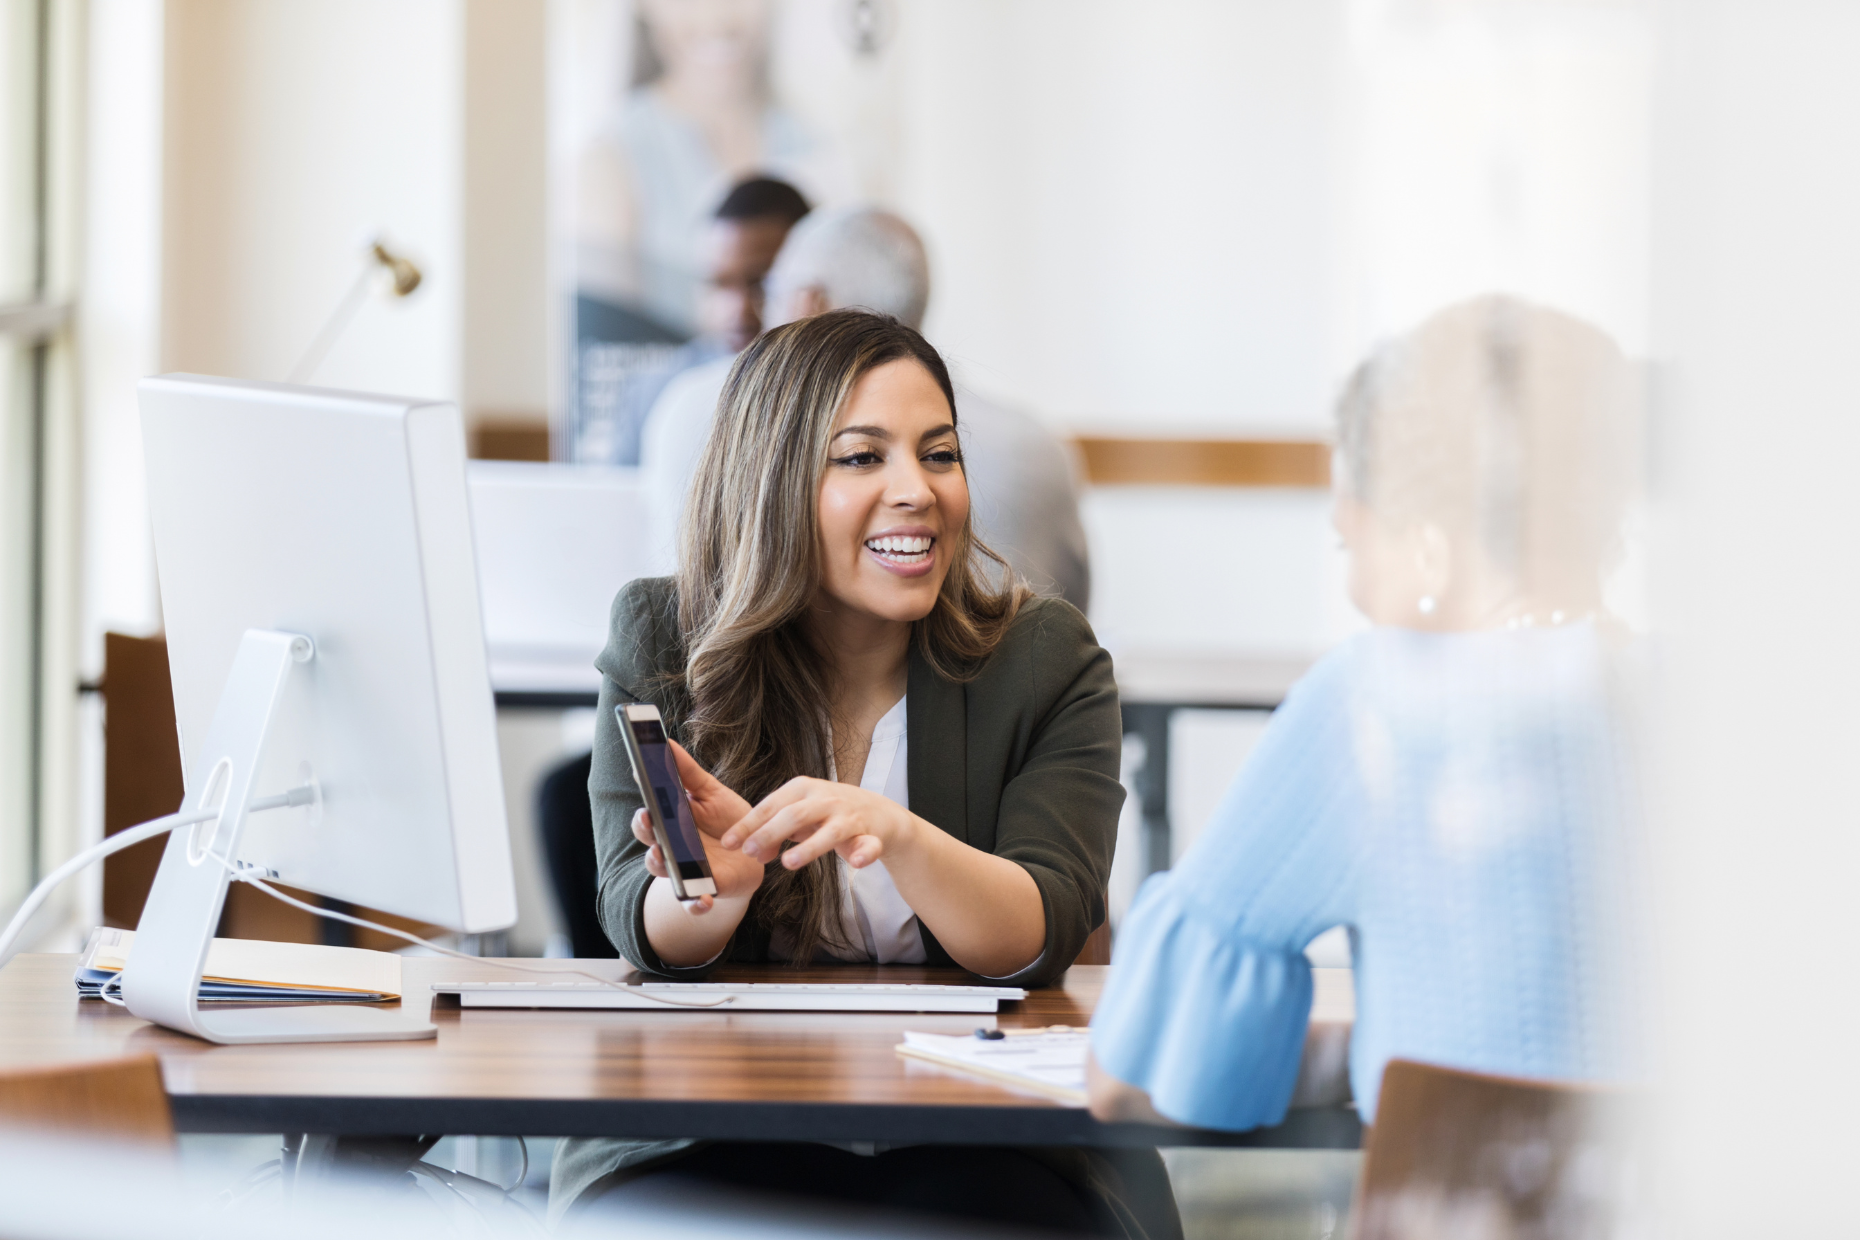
(1426, 604)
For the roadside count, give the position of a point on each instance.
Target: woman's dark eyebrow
(879, 432)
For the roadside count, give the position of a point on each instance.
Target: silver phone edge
(682, 890)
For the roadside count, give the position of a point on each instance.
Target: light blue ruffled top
(1464, 804)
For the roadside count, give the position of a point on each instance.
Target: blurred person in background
(1024, 479)
(1454, 785)
(745, 234)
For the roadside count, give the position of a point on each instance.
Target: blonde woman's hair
(750, 565)
(1509, 426)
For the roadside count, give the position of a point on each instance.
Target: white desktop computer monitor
(320, 597)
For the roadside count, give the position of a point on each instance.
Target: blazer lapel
(936, 723)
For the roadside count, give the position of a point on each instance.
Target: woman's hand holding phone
(715, 807)
(740, 839)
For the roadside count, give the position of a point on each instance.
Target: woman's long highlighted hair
(750, 566)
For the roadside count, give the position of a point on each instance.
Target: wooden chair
(1469, 1156)
(119, 1100)
(141, 765)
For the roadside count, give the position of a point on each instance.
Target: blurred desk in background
(555, 544)
(1223, 681)
(1153, 686)
(535, 680)
(1266, 498)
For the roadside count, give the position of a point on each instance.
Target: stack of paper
(253, 971)
(1049, 1062)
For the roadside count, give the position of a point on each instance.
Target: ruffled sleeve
(1210, 990)
(1210, 1027)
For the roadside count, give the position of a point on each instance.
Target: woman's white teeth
(897, 544)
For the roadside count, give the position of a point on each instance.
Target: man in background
(746, 233)
(1023, 481)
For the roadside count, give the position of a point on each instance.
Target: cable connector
(302, 794)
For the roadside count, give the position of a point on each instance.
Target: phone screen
(674, 808)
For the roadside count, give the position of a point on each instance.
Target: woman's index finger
(762, 811)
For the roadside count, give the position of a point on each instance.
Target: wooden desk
(747, 1076)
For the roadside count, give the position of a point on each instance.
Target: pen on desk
(995, 1035)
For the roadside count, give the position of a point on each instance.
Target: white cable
(242, 876)
(116, 843)
(296, 796)
(352, 301)
(123, 839)
(524, 1145)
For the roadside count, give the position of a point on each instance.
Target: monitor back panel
(343, 517)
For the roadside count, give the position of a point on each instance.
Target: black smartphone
(655, 770)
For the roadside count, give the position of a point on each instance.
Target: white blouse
(874, 919)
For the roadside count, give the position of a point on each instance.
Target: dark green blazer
(1021, 761)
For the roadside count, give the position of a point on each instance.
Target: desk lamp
(404, 279)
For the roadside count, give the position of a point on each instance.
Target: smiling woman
(889, 758)
(829, 525)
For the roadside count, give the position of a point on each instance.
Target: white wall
(295, 132)
(1495, 147)
(1129, 207)
(119, 311)
(236, 157)
(1758, 849)
(1193, 216)
(505, 306)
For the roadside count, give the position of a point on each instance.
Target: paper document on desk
(1051, 1063)
(254, 971)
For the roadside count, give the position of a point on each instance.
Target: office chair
(1464, 1154)
(565, 820)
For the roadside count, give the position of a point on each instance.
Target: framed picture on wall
(660, 108)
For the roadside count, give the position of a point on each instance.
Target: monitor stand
(161, 981)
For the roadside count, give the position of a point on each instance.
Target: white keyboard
(733, 996)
